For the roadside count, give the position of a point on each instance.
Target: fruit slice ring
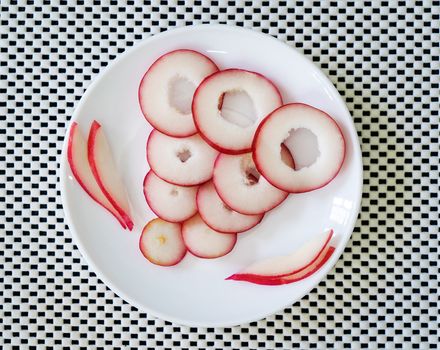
(185, 161)
(273, 131)
(220, 133)
(167, 88)
(217, 215)
(170, 202)
(240, 186)
(161, 242)
(204, 242)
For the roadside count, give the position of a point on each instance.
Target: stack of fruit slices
(215, 174)
(93, 167)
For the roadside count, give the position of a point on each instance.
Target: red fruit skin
(243, 211)
(170, 182)
(142, 81)
(258, 162)
(276, 281)
(91, 148)
(220, 104)
(222, 231)
(178, 260)
(76, 175)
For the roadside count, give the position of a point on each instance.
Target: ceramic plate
(195, 291)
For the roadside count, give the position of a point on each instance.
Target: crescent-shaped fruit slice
(105, 172)
(79, 164)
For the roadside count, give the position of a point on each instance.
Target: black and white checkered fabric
(383, 57)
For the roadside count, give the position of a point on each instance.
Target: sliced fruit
(223, 134)
(185, 161)
(295, 277)
(204, 242)
(170, 202)
(79, 164)
(167, 88)
(161, 242)
(217, 215)
(274, 130)
(240, 186)
(281, 266)
(105, 172)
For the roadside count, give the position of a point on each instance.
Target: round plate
(195, 291)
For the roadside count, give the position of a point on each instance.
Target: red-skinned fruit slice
(209, 98)
(185, 161)
(298, 276)
(241, 187)
(285, 265)
(170, 202)
(161, 242)
(105, 172)
(217, 215)
(167, 88)
(79, 164)
(272, 132)
(204, 242)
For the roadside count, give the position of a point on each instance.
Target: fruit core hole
(252, 176)
(237, 107)
(180, 94)
(184, 155)
(303, 146)
(174, 192)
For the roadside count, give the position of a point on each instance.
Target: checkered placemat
(383, 57)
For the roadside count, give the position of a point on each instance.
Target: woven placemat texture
(383, 57)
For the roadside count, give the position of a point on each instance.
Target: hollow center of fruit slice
(252, 176)
(183, 155)
(303, 145)
(180, 94)
(237, 108)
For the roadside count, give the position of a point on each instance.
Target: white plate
(195, 292)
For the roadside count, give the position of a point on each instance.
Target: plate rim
(63, 174)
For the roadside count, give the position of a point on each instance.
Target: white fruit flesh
(219, 132)
(217, 215)
(276, 128)
(170, 202)
(161, 242)
(106, 173)
(292, 263)
(203, 241)
(79, 164)
(166, 90)
(242, 188)
(185, 161)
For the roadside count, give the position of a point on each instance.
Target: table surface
(383, 57)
